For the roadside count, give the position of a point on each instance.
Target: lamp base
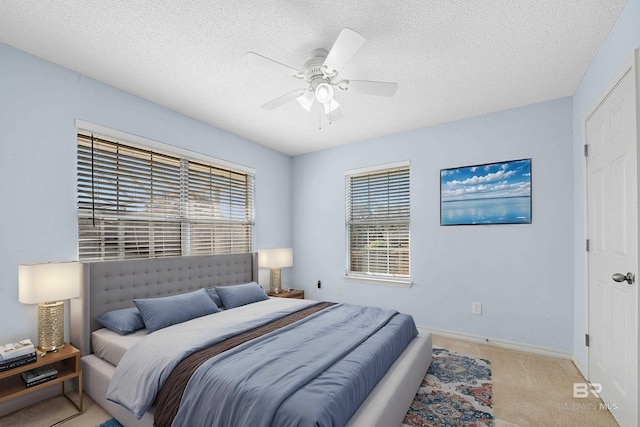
(50, 326)
(276, 286)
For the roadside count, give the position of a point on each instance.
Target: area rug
(455, 392)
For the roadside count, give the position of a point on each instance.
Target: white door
(612, 212)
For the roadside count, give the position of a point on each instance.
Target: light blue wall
(39, 103)
(522, 274)
(615, 52)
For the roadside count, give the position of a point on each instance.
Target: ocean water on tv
(506, 210)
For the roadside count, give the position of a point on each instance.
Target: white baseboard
(512, 345)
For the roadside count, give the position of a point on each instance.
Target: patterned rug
(456, 392)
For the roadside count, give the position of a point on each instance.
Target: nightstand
(294, 293)
(66, 361)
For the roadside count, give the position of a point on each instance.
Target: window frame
(400, 280)
(185, 219)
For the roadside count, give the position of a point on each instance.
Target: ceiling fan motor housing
(313, 68)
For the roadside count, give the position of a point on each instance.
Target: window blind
(217, 203)
(378, 219)
(138, 203)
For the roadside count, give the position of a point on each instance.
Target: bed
(113, 285)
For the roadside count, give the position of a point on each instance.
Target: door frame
(633, 65)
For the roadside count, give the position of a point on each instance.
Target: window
(378, 206)
(138, 203)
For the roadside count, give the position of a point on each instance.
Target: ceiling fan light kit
(321, 74)
(324, 93)
(306, 99)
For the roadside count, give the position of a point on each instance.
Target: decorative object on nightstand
(275, 259)
(39, 375)
(47, 285)
(16, 354)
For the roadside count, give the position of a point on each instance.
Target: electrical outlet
(338, 290)
(476, 308)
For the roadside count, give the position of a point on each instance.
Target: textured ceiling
(451, 58)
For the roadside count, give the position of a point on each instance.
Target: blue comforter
(325, 364)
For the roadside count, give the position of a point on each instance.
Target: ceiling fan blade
(283, 99)
(345, 46)
(372, 88)
(334, 116)
(262, 61)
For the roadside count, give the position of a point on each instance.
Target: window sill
(400, 283)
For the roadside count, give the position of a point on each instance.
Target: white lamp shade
(324, 93)
(275, 258)
(48, 282)
(306, 100)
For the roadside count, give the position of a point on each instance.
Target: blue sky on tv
(488, 181)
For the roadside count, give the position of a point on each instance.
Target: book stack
(39, 375)
(17, 354)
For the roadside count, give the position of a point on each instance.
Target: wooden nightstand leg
(80, 391)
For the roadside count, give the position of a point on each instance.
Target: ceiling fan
(321, 74)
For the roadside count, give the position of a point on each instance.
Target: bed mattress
(111, 346)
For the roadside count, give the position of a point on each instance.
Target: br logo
(582, 390)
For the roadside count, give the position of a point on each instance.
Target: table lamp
(47, 285)
(275, 259)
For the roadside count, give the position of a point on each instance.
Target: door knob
(619, 277)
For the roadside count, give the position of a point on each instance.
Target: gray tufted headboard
(111, 285)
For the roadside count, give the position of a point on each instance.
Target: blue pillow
(237, 295)
(215, 297)
(124, 321)
(159, 313)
